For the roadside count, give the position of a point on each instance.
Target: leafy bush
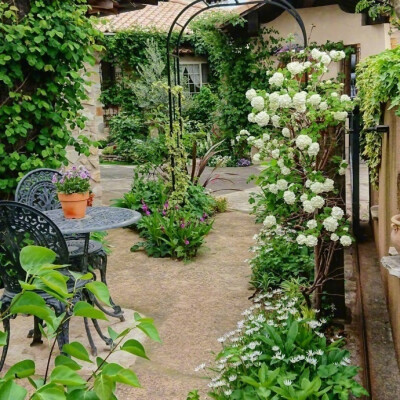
(151, 151)
(124, 127)
(172, 233)
(279, 351)
(63, 381)
(221, 204)
(278, 260)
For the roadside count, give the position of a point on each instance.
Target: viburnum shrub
(303, 120)
(74, 180)
(279, 351)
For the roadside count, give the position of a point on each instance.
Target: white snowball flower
(250, 94)
(299, 101)
(337, 212)
(281, 163)
(344, 98)
(262, 118)
(311, 241)
(329, 185)
(256, 157)
(303, 197)
(301, 239)
(317, 187)
(311, 224)
(308, 183)
(251, 139)
(323, 106)
(269, 221)
(275, 153)
(342, 171)
(330, 224)
(259, 143)
(273, 188)
(295, 68)
(274, 98)
(307, 64)
(308, 206)
(345, 240)
(340, 115)
(333, 94)
(285, 171)
(325, 59)
(317, 202)
(313, 150)
(314, 100)
(266, 137)
(282, 184)
(244, 132)
(289, 197)
(275, 120)
(337, 55)
(286, 132)
(276, 79)
(303, 141)
(316, 54)
(251, 118)
(258, 103)
(284, 101)
(334, 237)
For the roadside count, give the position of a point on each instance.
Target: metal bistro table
(96, 219)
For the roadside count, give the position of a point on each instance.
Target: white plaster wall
(331, 23)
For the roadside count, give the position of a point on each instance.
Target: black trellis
(174, 72)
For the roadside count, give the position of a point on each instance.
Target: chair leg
(36, 334)
(7, 330)
(93, 347)
(108, 341)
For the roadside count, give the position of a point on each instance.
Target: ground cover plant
(63, 381)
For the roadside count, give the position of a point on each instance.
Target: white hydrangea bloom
(256, 157)
(286, 132)
(251, 139)
(340, 115)
(301, 239)
(276, 79)
(295, 68)
(345, 240)
(299, 101)
(250, 94)
(308, 206)
(337, 55)
(330, 224)
(337, 212)
(316, 54)
(275, 153)
(325, 59)
(334, 237)
(303, 141)
(258, 103)
(314, 100)
(307, 64)
(317, 187)
(274, 98)
(284, 101)
(311, 224)
(317, 202)
(311, 241)
(313, 150)
(269, 221)
(281, 163)
(333, 94)
(323, 106)
(282, 184)
(251, 118)
(344, 98)
(266, 137)
(285, 171)
(308, 183)
(259, 143)
(303, 197)
(275, 120)
(262, 118)
(273, 188)
(244, 132)
(289, 197)
(329, 185)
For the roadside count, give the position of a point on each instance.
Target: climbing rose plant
(303, 117)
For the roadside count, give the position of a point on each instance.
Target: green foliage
(42, 84)
(278, 260)
(378, 83)
(63, 381)
(375, 8)
(203, 107)
(173, 232)
(221, 204)
(74, 180)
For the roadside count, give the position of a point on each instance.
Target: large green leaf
(134, 347)
(82, 394)
(100, 290)
(3, 338)
(11, 391)
(121, 375)
(67, 361)
(64, 375)
(83, 309)
(104, 387)
(50, 392)
(147, 326)
(57, 282)
(20, 370)
(76, 349)
(32, 258)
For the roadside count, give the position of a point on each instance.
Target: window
(194, 75)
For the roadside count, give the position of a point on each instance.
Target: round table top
(96, 219)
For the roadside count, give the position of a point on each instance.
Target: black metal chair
(37, 190)
(22, 225)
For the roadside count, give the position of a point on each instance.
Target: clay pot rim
(396, 219)
(73, 196)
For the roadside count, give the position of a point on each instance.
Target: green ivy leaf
(84, 309)
(76, 349)
(100, 290)
(134, 347)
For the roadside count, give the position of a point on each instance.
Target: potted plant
(73, 191)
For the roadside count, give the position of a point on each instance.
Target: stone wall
(94, 129)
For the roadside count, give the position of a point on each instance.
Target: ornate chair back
(22, 225)
(37, 190)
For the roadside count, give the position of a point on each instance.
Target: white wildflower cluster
(276, 79)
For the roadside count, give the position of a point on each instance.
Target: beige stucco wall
(331, 23)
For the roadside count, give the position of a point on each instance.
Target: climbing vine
(43, 51)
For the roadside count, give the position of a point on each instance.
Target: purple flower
(202, 219)
(182, 224)
(166, 205)
(83, 175)
(205, 215)
(54, 179)
(164, 213)
(186, 242)
(148, 212)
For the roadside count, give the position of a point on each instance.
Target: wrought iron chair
(21, 225)
(37, 190)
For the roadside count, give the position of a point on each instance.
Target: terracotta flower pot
(74, 205)
(395, 235)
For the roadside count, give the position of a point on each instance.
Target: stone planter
(395, 235)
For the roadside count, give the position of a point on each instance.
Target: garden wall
(94, 129)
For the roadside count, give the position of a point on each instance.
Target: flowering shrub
(75, 180)
(302, 117)
(279, 351)
(172, 232)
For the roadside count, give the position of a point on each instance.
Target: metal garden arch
(285, 5)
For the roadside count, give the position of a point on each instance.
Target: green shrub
(221, 204)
